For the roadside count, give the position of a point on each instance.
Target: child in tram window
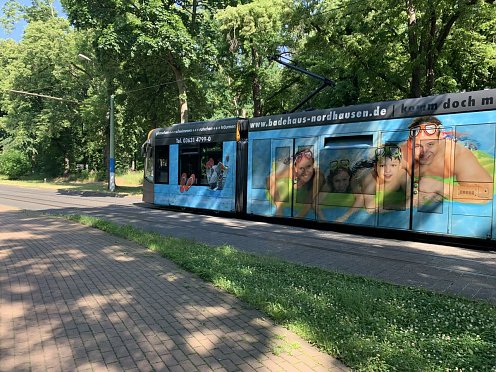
(215, 174)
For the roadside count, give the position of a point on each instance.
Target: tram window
(261, 163)
(349, 141)
(149, 163)
(193, 159)
(162, 164)
(189, 161)
(211, 153)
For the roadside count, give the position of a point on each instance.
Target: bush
(14, 164)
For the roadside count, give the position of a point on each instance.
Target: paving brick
(98, 304)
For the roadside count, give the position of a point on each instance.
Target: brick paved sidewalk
(75, 298)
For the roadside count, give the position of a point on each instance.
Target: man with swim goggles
(437, 159)
(425, 134)
(429, 129)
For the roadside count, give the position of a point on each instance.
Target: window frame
(149, 163)
(193, 157)
(162, 164)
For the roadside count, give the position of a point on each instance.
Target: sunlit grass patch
(131, 178)
(368, 324)
(127, 183)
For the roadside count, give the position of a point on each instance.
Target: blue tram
(424, 165)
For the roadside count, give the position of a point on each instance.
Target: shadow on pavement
(74, 297)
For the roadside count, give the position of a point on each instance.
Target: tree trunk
(181, 87)
(255, 84)
(431, 56)
(430, 47)
(414, 51)
(194, 15)
(438, 44)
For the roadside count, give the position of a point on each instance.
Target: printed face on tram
(388, 169)
(303, 167)
(426, 149)
(341, 181)
(427, 142)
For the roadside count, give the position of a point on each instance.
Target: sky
(19, 26)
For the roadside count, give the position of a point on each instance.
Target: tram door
(148, 179)
(392, 180)
(410, 187)
(430, 163)
(281, 178)
(415, 195)
(305, 178)
(293, 180)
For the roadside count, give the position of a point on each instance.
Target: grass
(128, 183)
(369, 325)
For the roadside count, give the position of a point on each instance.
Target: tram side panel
(195, 165)
(472, 185)
(209, 183)
(453, 185)
(445, 186)
(290, 170)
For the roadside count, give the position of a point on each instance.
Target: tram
(424, 165)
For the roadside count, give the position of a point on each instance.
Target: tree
(428, 29)
(168, 37)
(14, 164)
(44, 129)
(380, 50)
(254, 32)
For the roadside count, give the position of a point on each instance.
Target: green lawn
(129, 183)
(368, 324)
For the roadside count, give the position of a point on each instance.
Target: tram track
(235, 232)
(269, 233)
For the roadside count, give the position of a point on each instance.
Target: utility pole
(112, 147)
(111, 164)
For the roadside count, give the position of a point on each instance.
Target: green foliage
(129, 178)
(368, 48)
(369, 325)
(12, 13)
(254, 31)
(46, 130)
(14, 164)
(211, 57)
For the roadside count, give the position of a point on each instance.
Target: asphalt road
(440, 268)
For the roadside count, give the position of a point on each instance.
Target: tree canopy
(176, 61)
